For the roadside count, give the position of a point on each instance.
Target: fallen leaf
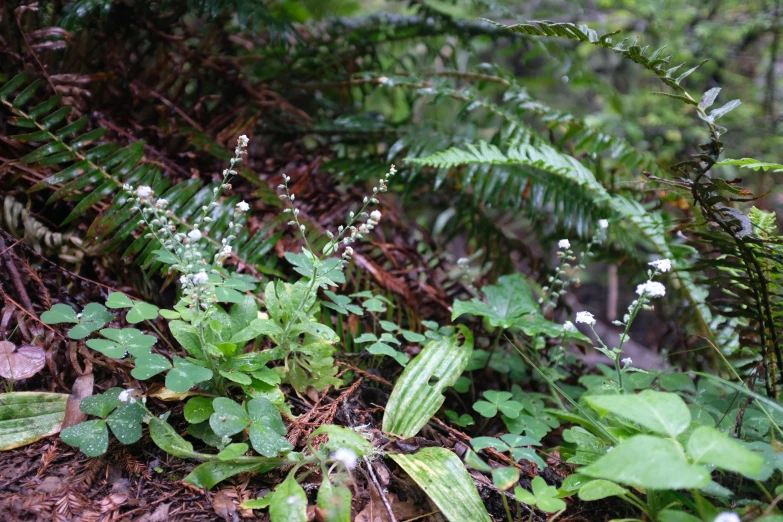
(22, 363)
(161, 514)
(82, 387)
(224, 507)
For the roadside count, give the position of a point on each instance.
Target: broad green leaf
(710, 446)
(59, 313)
(184, 375)
(675, 515)
(93, 317)
(677, 382)
(343, 438)
(91, 437)
(233, 451)
(164, 436)
(504, 478)
(663, 413)
(149, 365)
(128, 340)
(229, 417)
(507, 301)
(443, 477)
(125, 422)
(198, 409)
(418, 392)
(187, 336)
(663, 465)
(267, 431)
(288, 502)
(28, 416)
(209, 474)
(598, 489)
(242, 314)
(256, 328)
(334, 501)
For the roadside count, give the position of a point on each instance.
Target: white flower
(564, 244)
(585, 317)
(194, 235)
(727, 516)
(144, 191)
(627, 361)
(126, 396)
(651, 289)
(242, 141)
(200, 278)
(376, 215)
(226, 251)
(242, 206)
(664, 265)
(348, 252)
(603, 223)
(346, 456)
(161, 203)
(568, 326)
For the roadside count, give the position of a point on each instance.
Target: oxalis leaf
(185, 375)
(664, 413)
(418, 392)
(91, 437)
(443, 477)
(663, 465)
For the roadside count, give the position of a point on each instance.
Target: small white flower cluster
(662, 265)
(127, 396)
(346, 457)
(603, 223)
(651, 289)
(564, 244)
(585, 317)
(727, 516)
(627, 362)
(568, 326)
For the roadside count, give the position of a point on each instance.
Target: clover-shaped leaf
(341, 304)
(185, 375)
(532, 426)
(150, 364)
(229, 417)
(198, 409)
(544, 497)
(91, 437)
(267, 431)
(139, 311)
(384, 349)
(498, 401)
(505, 478)
(60, 313)
(125, 422)
(101, 405)
(127, 340)
(93, 317)
(463, 420)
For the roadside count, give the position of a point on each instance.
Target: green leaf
(149, 365)
(507, 301)
(118, 300)
(664, 465)
(288, 502)
(184, 375)
(267, 431)
(674, 515)
(256, 328)
(546, 496)
(141, 312)
(663, 413)
(125, 422)
(164, 436)
(91, 437)
(101, 405)
(28, 416)
(334, 501)
(485, 409)
(343, 438)
(93, 317)
(524, 496)
(242, 314)
(187, 336)
(443, 477)
(505, 478)
(233, 451)
(598, 489)
(59, 313)
(128, 340)
(710, 446)
(209, 474)
(198, 409)
(229, 417)
(418, 392)
(677, 382)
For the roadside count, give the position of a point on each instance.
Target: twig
(378, 487)
(16, 279)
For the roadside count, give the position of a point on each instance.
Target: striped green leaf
(419, 392)
(28, 416)
(443, 477)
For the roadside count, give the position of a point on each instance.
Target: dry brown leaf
(82, 387)
(224, 507)
(22, 363)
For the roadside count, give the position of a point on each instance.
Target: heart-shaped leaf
(125, 422)
(185, 375)
(229, 417)
(22, 363)
(141, 312)
(267, 431)
(664, 413)
(128, 340)
(118, 300)
(93, 317)
(198, 409)
(91, 437)
(149, 365)
(101, 405)
(59, 313)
